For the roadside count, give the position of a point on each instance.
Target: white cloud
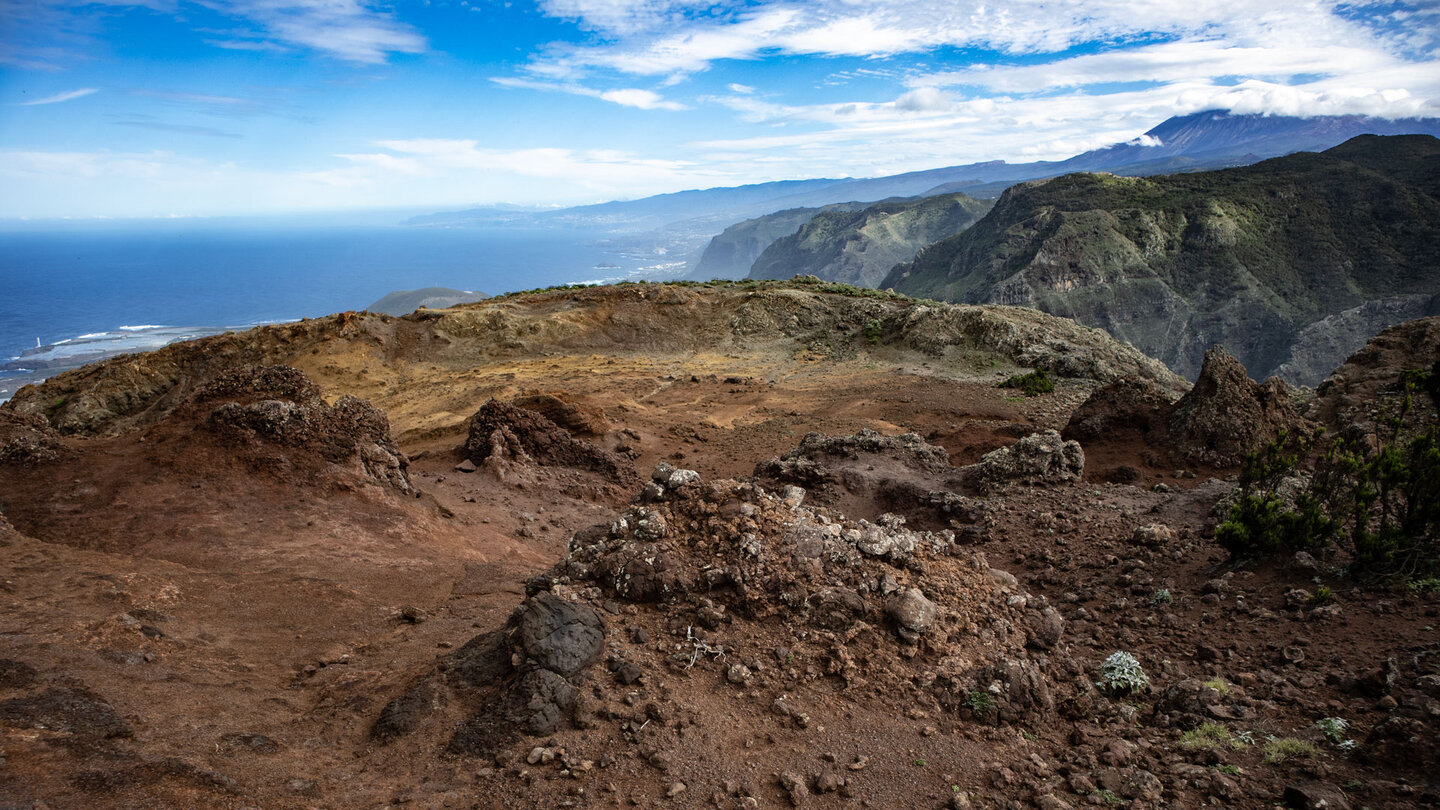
(70, 95)
(925, 99)
(643, 99)
(626, 97)
(1361, 45)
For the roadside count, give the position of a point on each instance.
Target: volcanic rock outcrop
(501, 435)
(707, 578)
(868, 474)
(27, 439)
(266, 411)
(1227, 415)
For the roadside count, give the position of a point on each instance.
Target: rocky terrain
(1290, 263)
(687, 546)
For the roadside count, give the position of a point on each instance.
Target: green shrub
(1206, 736)
(1380, 502)
(979, 701)
(1121, 674)
(1333, 729)
(1031, 385)
(874, 330)
(1279, 749)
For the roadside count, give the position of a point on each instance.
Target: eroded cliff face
(1251, 258)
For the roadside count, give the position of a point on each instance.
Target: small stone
(466, 466)
(738, 674)
(912, 612)
(795, 786)
(675, 790)
(1142, 785)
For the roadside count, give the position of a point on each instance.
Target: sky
(251, 107)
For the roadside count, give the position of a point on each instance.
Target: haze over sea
(94, 286)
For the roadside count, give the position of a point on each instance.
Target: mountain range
(1203, 140)
(1255, 257)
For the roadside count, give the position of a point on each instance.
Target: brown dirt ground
(278, 606)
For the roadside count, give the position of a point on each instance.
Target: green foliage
(1109, 796)
(1219, 685)
(1205, 737)
(1121, 674)
(1333, 729)
(979, 701)
(1161, 597)
(1378, 499)
(1031, 385)
(874, 330)
(1323, 596)
(1279, 749)
(1426, 585)
(1228, 770)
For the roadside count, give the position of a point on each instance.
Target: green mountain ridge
(1246, 257)
(860, 246)
(731, 254)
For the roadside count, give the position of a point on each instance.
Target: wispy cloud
(69, 95)
(626, 97)
(144, 122)
(49, 35)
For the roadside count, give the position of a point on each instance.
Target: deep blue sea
(88, 283)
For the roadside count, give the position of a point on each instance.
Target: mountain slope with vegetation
(860, 247)
(1247, 257)
(731, 254)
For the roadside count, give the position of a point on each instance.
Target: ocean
(127, 287)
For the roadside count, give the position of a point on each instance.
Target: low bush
(1031, 385)
(1375, 497)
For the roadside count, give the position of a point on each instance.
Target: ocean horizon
(109, 288)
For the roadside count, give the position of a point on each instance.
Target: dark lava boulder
(518, 680)
(68, 709)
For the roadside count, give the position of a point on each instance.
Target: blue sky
(216, 107)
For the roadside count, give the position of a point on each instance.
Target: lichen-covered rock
(1041, 457)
